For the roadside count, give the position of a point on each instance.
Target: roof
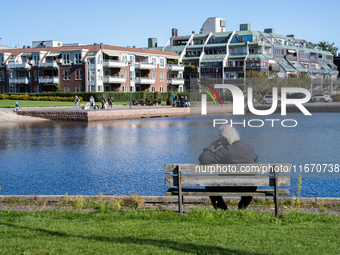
(213, 58)
(285, 65)
(190, 58)
(236, 56)
(174, 48)
(256, 56)
(215, 45)
(221, 34)
(97, 47)
(201, 35)
(247, 32)
(194, 47)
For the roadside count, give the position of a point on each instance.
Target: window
(35, 75)
(124, 88)
(65, 88)
(80, 74)
(68, 88)
(66, 58)
(76, 88)
(161, 76)
(77, 76)
(247, 38)
(153, 89)
(66, 75)
(154, 61)
(162, 89)
(77, 58)
(162, 62)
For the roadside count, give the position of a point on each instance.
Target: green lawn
(29, 103)
(165, 232)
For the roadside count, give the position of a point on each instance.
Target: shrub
(336, 98)
(133, 202)
(115, 205)
(170, 100)
(78, 204)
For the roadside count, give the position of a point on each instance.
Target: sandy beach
(8, 116)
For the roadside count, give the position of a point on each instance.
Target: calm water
(127, 157)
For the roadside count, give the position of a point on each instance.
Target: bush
(170, 100)
(336, 98)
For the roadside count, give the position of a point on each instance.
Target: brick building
(92, 68)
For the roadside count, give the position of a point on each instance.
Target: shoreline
(163, 199)
(119, 112)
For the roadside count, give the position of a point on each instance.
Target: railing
(145, 80)
(234, 69)
(175, 81)
(292, 58)
(254, 68)
(216, 69)
(191, 70)
(49, 79)
(144, 65)
(274, 68)
(238, 53)
(114, 63)
(48, 64)
(114, 79)
(20, 80)
(173, 67)
(19, 66)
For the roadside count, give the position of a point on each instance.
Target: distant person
(186, 102)
(174, 98)
(17, 105)
(77, 100)
(103, 101)
(110, 100)
(182, 101)
(224, 98)
(229, 149)
(92, 103)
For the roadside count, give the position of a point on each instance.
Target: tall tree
(326, 46)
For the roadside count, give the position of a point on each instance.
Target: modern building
(216, 53)
(92, 68)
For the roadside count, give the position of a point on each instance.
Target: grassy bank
(29, 103)
(165, 232)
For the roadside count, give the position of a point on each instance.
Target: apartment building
(216, 53)
(89, 68)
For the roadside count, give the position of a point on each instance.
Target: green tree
(259, 82)
(326, 46)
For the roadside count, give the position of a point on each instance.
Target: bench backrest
(227, 174)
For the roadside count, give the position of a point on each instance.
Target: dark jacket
(238, 152)
(110, 99)
(102, 99)
(182, 100)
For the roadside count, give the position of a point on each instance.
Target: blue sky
(131, 23)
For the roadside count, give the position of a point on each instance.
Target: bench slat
(253, 168)
(202, 192)
(226, 181)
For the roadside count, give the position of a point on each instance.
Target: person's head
(76, 96)
(185, 97)
(228, 135)
(182, 97)
(91, 96)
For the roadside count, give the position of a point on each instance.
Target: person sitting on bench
(229, 149)
(186, 102)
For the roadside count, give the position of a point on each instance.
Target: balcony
(234, 69)
(314, 60)
(144, 65)
(145, 80)
(48, 64)
(114, 79)
(114, 63)
(274, 68)
(191, 70)
(291, 58)
(175, 67)
(254, 68)
(49, 79)
(19, 66)
(21, 80)
(175, 81)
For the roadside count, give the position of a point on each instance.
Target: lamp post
(130, 81)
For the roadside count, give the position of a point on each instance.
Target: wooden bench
(227, 175)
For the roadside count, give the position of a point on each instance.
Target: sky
(131, 23)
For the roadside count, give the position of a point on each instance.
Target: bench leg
(180, 196)
(276, 202)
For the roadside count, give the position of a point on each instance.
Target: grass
(30, 103)
(165, 232)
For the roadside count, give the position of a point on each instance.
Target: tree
(259, 82)
(326, 46)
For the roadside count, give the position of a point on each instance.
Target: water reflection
(128, 156)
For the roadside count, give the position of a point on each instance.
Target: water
(128, 156)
